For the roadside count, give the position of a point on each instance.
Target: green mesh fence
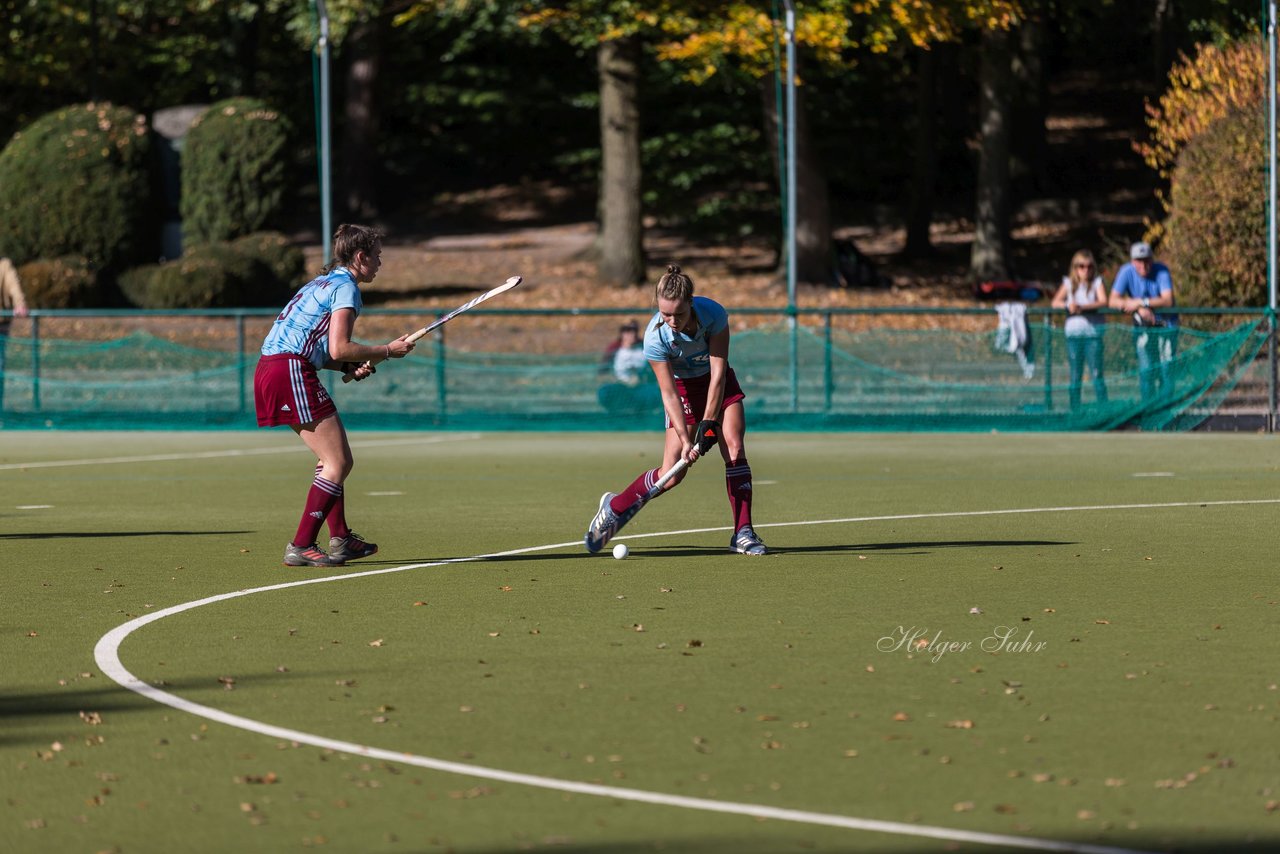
(819, 376)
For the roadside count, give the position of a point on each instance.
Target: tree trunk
(989, 258)
(360, 125)
(813, 201)
(924, 161)
(620, 245)
(1030, 139)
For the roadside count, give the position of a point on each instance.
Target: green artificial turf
(912, 651)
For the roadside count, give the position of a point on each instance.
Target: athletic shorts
(287, 390)
(693, 395)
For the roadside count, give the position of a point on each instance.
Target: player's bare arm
(343, 350)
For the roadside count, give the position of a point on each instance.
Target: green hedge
(1216, 233)
(233, 170)
(66, 282)
(77, 181)
(261, 269)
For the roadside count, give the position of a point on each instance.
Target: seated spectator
(631, 387)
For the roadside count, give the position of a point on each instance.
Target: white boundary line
(107, 655)
(231, 452)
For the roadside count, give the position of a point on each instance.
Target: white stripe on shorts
(299, 391)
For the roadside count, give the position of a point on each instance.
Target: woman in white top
(1082, 294)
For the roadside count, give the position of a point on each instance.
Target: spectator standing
(1141, 286)
(1082, 294)
(11, 299)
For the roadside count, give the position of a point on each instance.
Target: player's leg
(737, 477)
(327, 439)
(605, 523)
(329, 442)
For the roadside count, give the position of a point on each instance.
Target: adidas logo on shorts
(285, 408)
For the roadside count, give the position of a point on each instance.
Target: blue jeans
(1085, 350)
(1156, 346)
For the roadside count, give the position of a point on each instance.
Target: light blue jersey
(303, 327)
(1129, 284)
(688, 355)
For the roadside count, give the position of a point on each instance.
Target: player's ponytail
(350, 239)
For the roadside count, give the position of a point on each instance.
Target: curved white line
(107, 655)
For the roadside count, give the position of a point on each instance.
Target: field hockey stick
(627, 515)
(441, 321)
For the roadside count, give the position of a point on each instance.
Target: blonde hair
(349, 240)
(675, 285)
(1083, 256)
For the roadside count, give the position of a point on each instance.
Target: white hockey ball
(620, 551)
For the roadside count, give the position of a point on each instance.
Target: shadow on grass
(37, 715)
(911, 547)
(75, 535)
(800, 843)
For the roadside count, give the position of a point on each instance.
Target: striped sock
(320, 500)
(737, 480)
(337, 517)
(632, 493)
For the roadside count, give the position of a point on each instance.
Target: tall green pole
(325, 157)
(791, 202)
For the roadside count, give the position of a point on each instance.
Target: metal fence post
(442, 379)
(1048, 361)
(828, 373)
(241, 365)
(35, 362)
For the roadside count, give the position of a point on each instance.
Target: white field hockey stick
(704, 443)
(500, 289)
(627, 515)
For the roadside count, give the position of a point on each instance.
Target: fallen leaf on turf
(506, 588)
(963, 806)
(419, 603)
(694, 643)
(91, 718)
(1113, 782)
(901, 716)
(377, 642)
(1006, 809)
(1086, 815)
(228, 682)
(494, 634)
(1102, 622)
(960, 724)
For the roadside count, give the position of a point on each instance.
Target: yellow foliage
(1202, 90)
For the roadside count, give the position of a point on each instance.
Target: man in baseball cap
(1140, 286)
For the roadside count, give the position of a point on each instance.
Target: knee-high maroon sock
(337, 516)
(320, 500)
(632, 493)
(737, 480)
